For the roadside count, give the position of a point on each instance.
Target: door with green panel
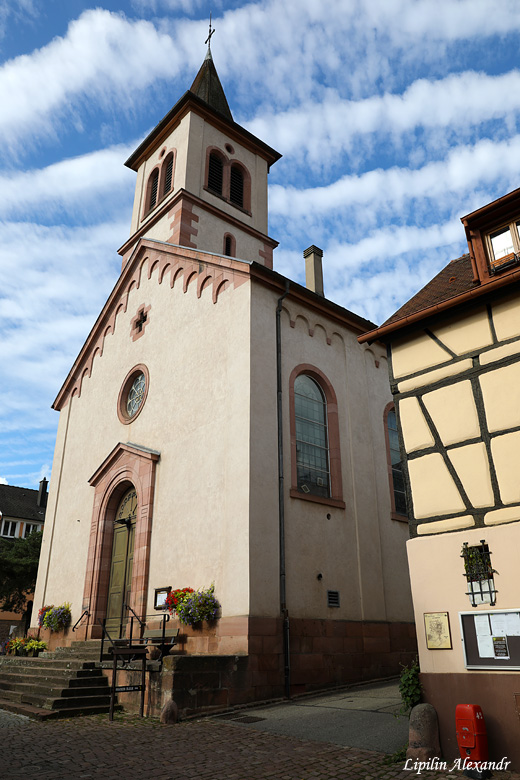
(121, 565)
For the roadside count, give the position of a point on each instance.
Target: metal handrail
(129, 608)
(86, 612)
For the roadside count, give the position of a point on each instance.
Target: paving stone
(91, 748)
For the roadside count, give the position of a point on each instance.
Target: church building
(231, 418)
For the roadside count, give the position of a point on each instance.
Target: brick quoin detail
(126, 467)
(182, 224)
(267, 255)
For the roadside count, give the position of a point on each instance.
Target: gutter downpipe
(281, 507)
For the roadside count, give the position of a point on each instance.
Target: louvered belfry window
(236, 186)
(215, 174)
(168, 175)
(154, 183)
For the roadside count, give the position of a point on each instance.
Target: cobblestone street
(91, 748)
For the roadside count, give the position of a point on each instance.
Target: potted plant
(41, 614)
(16, 646)
(58, 618)
(35, 646)
(196, 606)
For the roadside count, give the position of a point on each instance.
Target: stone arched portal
(128, 466)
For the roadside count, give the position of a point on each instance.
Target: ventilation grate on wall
(333, 598)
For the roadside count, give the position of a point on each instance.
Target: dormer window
(504, 247)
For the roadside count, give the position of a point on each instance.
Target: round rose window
(136, 395)
(133, 394)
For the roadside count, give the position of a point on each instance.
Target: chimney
(42, 493)
(313, 269)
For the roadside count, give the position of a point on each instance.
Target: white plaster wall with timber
(199, 364)
(428, 378)
(465, 334)
(416, 353)
(433, 490)
(453, 412)
(506, 317)
(472, 465)
(506, 457)
(439, 585)
(501, 395)
(416, 432)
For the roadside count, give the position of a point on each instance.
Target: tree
(18, 569)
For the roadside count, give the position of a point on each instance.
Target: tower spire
(207, 84)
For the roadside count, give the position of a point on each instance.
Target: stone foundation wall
(324, 654)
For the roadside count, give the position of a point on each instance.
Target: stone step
(36, 713)
(55, 680)
(80, 676)
(49, 691)
(43, 662)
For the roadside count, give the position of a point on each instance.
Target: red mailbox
(471, 732)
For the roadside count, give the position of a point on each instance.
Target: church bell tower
(202, 178)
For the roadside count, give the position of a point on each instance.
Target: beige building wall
(196, 415)
(359, 550)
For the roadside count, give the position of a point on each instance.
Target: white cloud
(463, 170)
(103, 57)
(321, 130)
(66, 182)
(3, 481)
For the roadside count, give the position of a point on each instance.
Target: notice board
(491, 639)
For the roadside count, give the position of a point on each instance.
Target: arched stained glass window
(396, 468)
(312, 446)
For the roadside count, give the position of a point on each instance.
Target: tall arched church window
(153, 185)
(215, 173)
(395, 468)
(168, 174)
(236, 186)
(312, 446)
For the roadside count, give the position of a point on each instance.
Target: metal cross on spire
(211, 31)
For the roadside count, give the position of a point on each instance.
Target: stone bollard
(170, 712)
(424, 733)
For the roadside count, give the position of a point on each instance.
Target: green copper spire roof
(208, 88)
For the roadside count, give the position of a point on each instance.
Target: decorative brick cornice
(182, 266)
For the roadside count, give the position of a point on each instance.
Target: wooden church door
(120, 584)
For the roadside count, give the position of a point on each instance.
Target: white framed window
(503, 246)
(9, 528)
(29, 528)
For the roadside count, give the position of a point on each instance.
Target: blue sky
(394, 117)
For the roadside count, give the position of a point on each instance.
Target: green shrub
(410, 687)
